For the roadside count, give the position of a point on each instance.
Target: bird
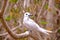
(32, 25)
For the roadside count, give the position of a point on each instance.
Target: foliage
(8, 18)
(43, 22)
(28, 9)
(37, 1)
(35, 7)
(23, 39)
(15, 23)
(32, 17)
(15, 13)
(46, 6)
(57, 5)
(13, 1)
(58, 31)
(15, 10)
(25, 29)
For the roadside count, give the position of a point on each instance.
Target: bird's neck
(26, 18)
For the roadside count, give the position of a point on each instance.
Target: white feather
(31, 25)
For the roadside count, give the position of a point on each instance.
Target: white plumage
(31, 25)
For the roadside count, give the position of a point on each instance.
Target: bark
(26, 3)
(5, 25)
(41, 10)
(49, 17)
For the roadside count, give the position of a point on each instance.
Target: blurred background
(45, 12)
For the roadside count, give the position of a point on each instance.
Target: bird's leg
(30, 30)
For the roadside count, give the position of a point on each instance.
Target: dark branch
(5, 25)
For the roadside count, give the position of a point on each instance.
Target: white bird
(31, 25)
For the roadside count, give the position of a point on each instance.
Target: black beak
(30, 15)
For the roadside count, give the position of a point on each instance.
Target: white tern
(31, 25)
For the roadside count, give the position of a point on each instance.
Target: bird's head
(27, 14)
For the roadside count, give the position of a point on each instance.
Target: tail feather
(45, 31)
(49, 31)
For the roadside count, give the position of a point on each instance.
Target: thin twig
(5, 25)
(41, 9)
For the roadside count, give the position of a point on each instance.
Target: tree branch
(4, 34)
(5, 25)
(3, 8)
(41, 9)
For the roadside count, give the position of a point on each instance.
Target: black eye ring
(26, 14)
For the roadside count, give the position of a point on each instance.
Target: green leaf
(13, 1)
(15, 22)
(37, 1)
(17, 10)
(43, 22)
(32, 17)
(46, 6)
(58, 31)
(8, 18)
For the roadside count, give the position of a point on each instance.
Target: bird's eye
(26, 14)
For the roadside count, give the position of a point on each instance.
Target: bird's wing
(36, 26)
